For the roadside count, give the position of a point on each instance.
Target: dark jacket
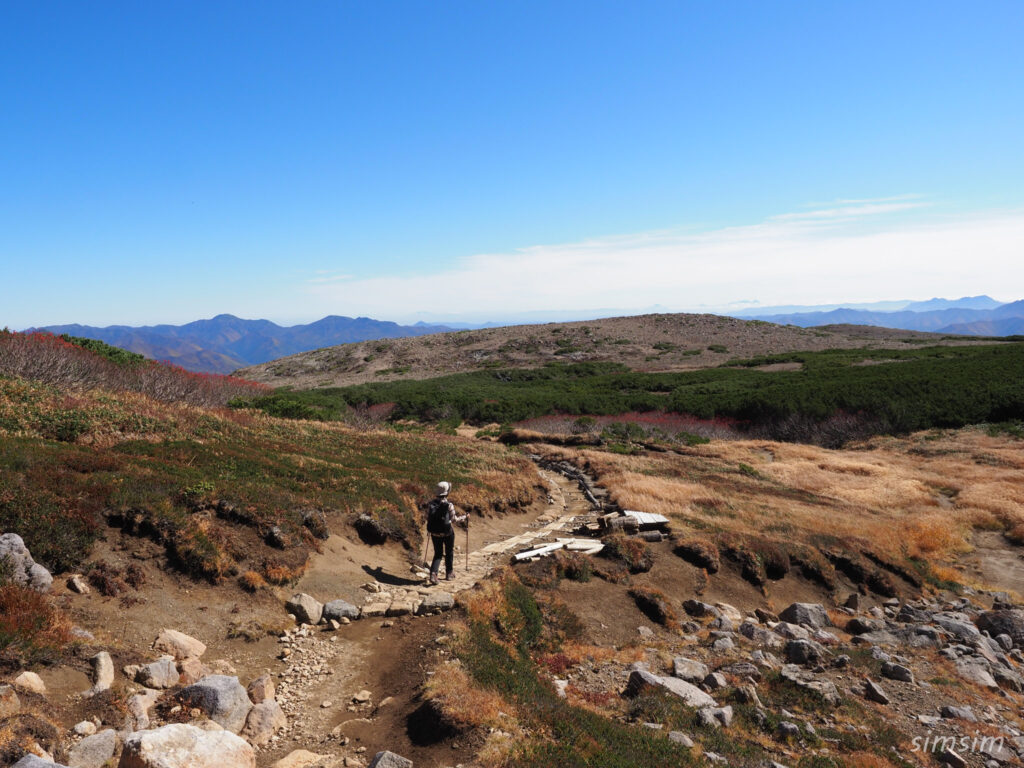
(440, 516)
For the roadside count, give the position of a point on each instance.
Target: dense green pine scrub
(899, 390)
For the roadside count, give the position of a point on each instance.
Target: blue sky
(165, 162)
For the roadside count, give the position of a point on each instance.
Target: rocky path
(324, 679)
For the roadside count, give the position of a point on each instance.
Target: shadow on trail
(383, 577)
(425, 726)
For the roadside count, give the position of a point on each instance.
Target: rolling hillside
(669, 342)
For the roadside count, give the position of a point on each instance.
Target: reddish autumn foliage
(44, 357)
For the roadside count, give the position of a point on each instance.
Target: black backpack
(438, 516)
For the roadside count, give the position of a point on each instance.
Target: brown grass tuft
(461, 703)
(252, 581)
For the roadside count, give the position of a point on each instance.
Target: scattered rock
(897, 672)
(436, 602)
(336, 610)
(159, 674)
(1004, 622)
(825, 689)
(374, 609)
(190, 670)
(76, 583)
(788, 730)
(264, 720)
(10, 704)
(306, 608)
(222, 698)
(951, 758)
(690, 694)
(261, 689)
(300, 758)
(400, 608)
(85, 728)
(186, 746)
(680, 738)
(715, 681)
(853, 602)
(139, 705)
(714, 717)
(698, 609)
(390, 760)
(689, 670)
(21, 568)
(30, 681)
(958, 713)
(874, 692)
(178, 644)
(975, 673)
(31, 761)
(804, 652)
(94, 751)
(809, 614)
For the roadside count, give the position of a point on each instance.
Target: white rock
(186, 746)
(178, 644)
(30, 681)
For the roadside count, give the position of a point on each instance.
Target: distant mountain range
(971, 315)
(226, 343)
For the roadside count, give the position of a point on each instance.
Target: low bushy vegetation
(33, 629)
(224, 491)
(84, 364)
(835, 396)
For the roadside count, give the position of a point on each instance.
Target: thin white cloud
(862, 209)
(322, 276)
(846, 253)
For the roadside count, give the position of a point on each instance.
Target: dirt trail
(387, 656)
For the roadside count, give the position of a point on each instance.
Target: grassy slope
(913, 502)
(68, 460)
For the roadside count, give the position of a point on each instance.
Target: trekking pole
(426, 546)
(467, 541)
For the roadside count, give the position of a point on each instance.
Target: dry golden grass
(463, 704)
(251, 581)
(920, 496)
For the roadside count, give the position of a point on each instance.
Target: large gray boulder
(306, 608)
(806, 614)
(1009, 622)
(692, 696)
(186, 746)
(222, 698)
(337, 610)
(21, 568)
(93, 751)
(387, 759)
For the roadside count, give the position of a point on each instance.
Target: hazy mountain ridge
(970, 315)
(225, 343)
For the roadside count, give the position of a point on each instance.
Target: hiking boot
(450, 576)
(433, 578)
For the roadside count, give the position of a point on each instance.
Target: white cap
(443, 488)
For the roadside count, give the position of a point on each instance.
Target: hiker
(440, 516)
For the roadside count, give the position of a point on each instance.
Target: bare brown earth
(668, 342)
